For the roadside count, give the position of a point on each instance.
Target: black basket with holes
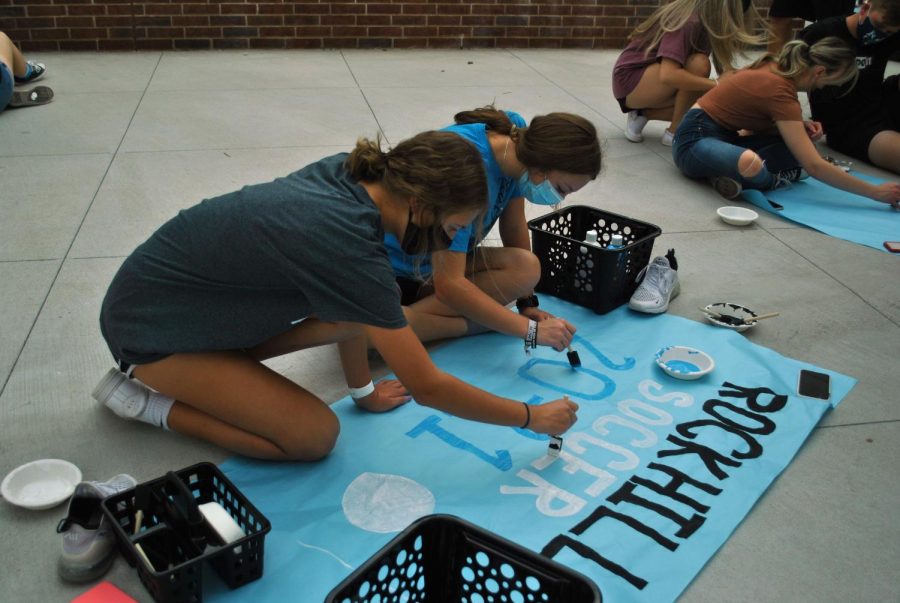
(444, 559)
(161, 531)
(590, 275)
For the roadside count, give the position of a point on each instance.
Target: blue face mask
(868, 35)
(541, 194)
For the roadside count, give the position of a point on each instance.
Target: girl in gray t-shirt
(287, 265)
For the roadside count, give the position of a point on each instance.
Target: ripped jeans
(704, 149)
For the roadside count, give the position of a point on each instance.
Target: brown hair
(556, 141)
(442, 171)
(891, 9)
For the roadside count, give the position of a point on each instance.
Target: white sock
(157, 411)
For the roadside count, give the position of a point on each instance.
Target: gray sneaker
(89, 543)
(658, 287)
(727, 187)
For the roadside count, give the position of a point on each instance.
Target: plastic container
(174, 538)
(443, 559)
(598, 278)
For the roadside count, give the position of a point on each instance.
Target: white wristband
(361, 392)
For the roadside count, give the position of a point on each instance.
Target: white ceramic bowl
(683, 362)
(738, 216)
(733, 310)
(40, 484)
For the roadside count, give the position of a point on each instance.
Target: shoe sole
(107, 385)
(85, 573)
(633, 137)
(39, 95)
(672, 295)
(727, 188)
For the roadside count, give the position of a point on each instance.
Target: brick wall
(206, 24)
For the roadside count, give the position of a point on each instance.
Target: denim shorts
(705, 149)
(6, 85)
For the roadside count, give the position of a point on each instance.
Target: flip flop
(39, 95)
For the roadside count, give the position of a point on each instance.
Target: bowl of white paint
(683, 362)
(737, 216)
(40, 484)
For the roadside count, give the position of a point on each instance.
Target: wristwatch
(530, 301)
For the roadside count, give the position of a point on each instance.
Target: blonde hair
(729, 28)
(442, 171)
(797, 58)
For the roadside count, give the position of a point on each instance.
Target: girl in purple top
(666, 66)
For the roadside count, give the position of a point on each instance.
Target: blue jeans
(6, 85)
(704, 149)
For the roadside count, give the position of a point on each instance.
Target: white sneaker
(126, 397)
(667, 138)
(658, 287)
(88, 545)
(634, 125)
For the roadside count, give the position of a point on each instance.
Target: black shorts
(411, 290)
(811, 10)
(882, 114)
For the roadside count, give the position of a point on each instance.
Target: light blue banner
(833, 211)
(652, 479)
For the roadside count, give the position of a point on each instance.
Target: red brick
(238, 9)
(373, 20)
(232, 44)
(152, 21)
(444, 20)
(303, 20)
(163, 9)
(313, 31)
(442, 43)
(240, 32)
(408, 20)
(338, 19)
(375, 43)
(115, 45)
(114, 21)
(268, 43)
(484, 32)
(384, 32)
(49, 34)
(203, 32)
(450, 9)
(46, 11)
(190, 21)
(269, 20)
(349, 31)
(383, 9)
(410, 43)
(420, 32)
(36, 23)
(201, 9)
(548, 21)
(310, 43)
(480, 43)
(78, 45)
(74, 22)
(419, 9)
(347, 9)
(86, 9)
(275, 9)
(228, 21)
(454, 32)
(165, 32)
(276, 32)
(193, 44)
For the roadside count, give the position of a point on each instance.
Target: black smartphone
(892, 246)
(814, 385)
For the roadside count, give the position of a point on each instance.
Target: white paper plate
(730, 309)
(737, 216)
(40, 484)
(683, 362)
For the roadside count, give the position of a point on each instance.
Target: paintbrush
(574, 360)
(736, 320)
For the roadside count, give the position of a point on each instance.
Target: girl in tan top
(749, 131)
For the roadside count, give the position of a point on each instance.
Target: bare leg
(236, 402)
(884, 150)
(503, 273)
(697, 64)
(10, 55)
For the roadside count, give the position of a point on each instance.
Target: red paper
(105, 592)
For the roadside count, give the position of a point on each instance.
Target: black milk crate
(175, 542)
(444, 559)
(590, 275)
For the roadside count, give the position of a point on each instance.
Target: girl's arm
(514, 233)
(451, 287)
(797, 140)
(388, 394)
(432, 387)
(674, 75)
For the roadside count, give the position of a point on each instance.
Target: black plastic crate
(590, 275)
(176, 543)
(444, 559)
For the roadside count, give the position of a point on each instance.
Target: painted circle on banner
(382, 503)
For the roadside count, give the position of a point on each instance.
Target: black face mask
(410, 244)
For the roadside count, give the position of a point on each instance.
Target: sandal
(39, 95)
